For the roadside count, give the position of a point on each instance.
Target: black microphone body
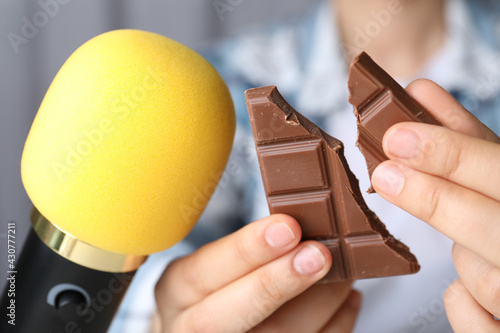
(48, 293)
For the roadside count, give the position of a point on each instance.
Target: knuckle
(489, 290)
(268, 289)
(431, 204)
(243, 251)
(421, 155)
(442, 148)
(452, 159)
(192, 275)
(454, 290)
(187, 272)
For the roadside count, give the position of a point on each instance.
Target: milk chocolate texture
(379, 102)
(306, 176)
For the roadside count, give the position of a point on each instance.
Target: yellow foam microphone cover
(129, 142)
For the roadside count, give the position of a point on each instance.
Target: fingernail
(388, 179)
(309, 260)
(354, 299)
(279, 234)
(402, 143)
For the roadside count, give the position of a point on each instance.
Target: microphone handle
(47, 293)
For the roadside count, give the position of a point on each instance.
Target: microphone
(124, 153)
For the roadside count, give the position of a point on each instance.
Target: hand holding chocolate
(306, 176)
(379, 102)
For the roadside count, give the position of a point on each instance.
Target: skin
(259, 278)
(410, 32)
(448, 177)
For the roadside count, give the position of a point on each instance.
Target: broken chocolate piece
(379, 102)
(306, 176)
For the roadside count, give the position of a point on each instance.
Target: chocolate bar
(379, 102)
(306, 176)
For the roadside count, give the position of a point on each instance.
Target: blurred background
(38, 36)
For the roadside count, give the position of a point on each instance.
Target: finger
(448, 110)
(245, 303)
(471, 162)
(190, 279)
(481, 278)
(464, 313)
(345, 319)
(309, 311)
(465, 216)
